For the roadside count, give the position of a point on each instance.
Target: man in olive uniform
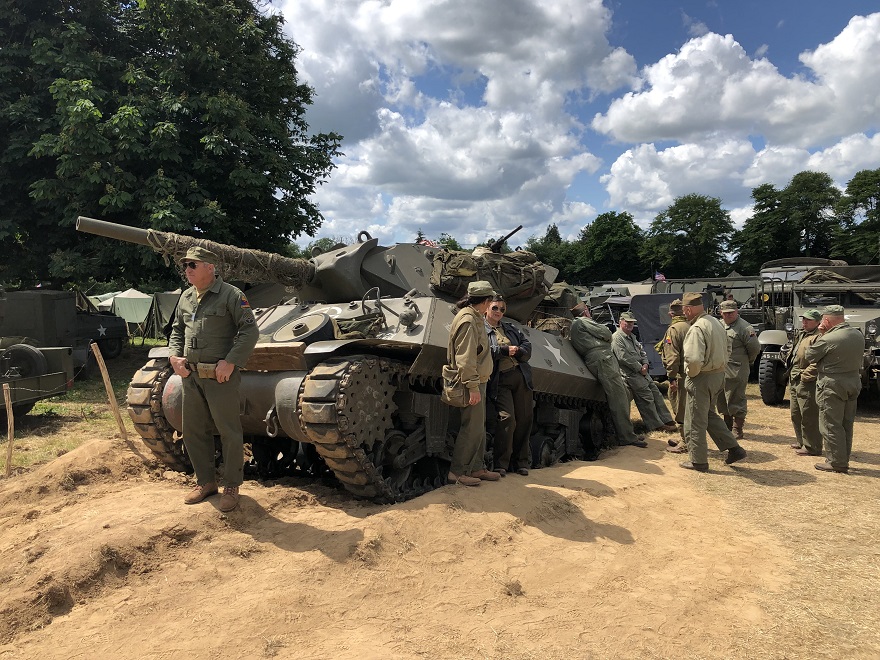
(592, 341)
(838, 354)
(212, 336)
(706, 352)
(744, 349)
(802, 384)
(633, 363)
(671, 350)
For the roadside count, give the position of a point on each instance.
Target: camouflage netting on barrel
(515, 275)
(554, 325)
(252, 266)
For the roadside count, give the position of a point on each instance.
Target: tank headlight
(789, 326)
(871, 327)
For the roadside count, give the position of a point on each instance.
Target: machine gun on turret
(495, 246)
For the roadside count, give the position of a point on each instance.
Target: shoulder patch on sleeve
(244, 302)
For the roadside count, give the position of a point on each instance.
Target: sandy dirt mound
(626, 557)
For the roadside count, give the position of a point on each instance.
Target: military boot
(728, 420)
(738, 427)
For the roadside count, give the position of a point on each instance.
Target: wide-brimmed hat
(812, 314)
(199, 254)
(480, 289)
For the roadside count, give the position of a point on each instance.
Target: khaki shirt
(469, 348)
(840, 350)
(673, 347)
(743, 341)
(706, 348)
(220, 326)
(802, 370)
(629, 353)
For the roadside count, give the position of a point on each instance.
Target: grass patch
(58, 425)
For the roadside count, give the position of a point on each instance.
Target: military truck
(63, 318)
(33, 373)
(796, 285)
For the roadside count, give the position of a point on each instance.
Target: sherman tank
(349, 369)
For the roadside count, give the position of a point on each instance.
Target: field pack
(515, 275)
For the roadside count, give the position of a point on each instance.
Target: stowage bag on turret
(515, 275)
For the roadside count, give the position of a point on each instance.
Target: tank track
(346, 407)
(145, 409)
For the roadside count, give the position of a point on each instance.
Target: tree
(809, 201)
(767, 234)
(857, 239)
(610, 249)
(691, 238)
(563, 255)
(449, 242)
(177, 115)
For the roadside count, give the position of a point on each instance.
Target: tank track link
(145, 409)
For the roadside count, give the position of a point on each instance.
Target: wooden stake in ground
(10, 427)
(110, 396)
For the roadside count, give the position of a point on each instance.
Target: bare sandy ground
(627, 557)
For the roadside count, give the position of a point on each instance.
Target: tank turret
(347, 377)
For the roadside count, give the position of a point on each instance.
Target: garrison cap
(728, 306)
(480, 289)
(832, 310)
(628, 316)
(692, 299)
(812, 314)
(199, 254)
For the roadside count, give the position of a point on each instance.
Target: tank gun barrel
(253, 266)
(495, 246)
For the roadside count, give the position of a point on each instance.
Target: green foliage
(857, 238)
(178, 115)
(809, 201)
(610, 249)
(449, 242)
(690, 239)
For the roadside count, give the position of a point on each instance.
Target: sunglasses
(192, 265)
(496, 308)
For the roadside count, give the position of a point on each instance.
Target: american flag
(659, 277)
(428, 243)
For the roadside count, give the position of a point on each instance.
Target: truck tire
(30, 361)
(771, 381)
(110, 348)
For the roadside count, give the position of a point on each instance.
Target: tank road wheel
(542, 450)
(771, 381)
(145, 409)
(274, 457)
(346, 407)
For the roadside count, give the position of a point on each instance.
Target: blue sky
(473, 117)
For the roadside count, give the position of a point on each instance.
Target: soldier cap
(728, 306)
(675, 305)
(832, 310)
(199, 254)
(578, 309)
(812, 314)
(692, 300)
(628, 316)
(480, 289)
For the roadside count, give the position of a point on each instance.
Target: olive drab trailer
(32, 373)
(349, 369)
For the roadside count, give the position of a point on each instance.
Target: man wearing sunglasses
(212, 336)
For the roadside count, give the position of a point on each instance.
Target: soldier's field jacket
(469, 348)
(744, 343)
(629, 352)
(219, 327)
(841, 350)
(706, 348)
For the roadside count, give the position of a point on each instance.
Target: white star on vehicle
(102, 330)
(556, 353)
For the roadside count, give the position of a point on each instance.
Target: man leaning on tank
(212, 336)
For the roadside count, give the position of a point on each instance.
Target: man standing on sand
(838, 355)
(592, 341)
(633, 363)
(706, 352)
(802, 385)
(744, 349)
(671, 350)
(212, 336)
